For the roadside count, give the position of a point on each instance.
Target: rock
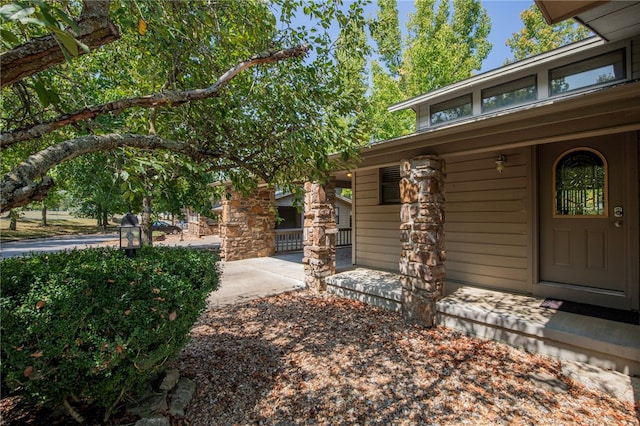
(153, 421)
(150, 405)
(170, 379)
(181, 396)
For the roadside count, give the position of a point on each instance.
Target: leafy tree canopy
(230, 84)
(538, 37)
(446, 42)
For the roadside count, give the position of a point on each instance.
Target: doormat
(592, 311)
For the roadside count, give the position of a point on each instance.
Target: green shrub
(95, 325)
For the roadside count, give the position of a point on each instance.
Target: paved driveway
(19, 248)
(53, 244)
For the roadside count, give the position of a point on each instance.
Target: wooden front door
(584, 195)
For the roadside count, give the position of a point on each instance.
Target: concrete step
(519, 321)
(377, 288)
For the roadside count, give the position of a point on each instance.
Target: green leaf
(8, 38)
(65, 18)
(48, 18)
(83, 46)
(67, 41)
(34, 21)
(43, 93)
(15, 12)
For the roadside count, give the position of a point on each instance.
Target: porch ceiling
(606, 111)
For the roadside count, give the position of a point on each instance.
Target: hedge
(94, 325)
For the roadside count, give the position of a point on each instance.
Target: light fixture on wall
(500, 162)
(348, 174)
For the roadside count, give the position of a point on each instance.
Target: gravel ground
(297, 359)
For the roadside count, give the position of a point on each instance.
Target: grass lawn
(58, 223)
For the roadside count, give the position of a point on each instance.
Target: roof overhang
(558, 11)
(611, 20)
(604, 111)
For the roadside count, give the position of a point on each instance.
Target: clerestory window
(594, 71)
(509, 94)
(451, 110)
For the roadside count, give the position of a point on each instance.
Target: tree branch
(150, 101)
(96, 29)
(20, 186)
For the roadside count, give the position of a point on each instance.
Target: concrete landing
(519, 321)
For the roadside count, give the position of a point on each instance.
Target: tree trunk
(147, 237)
(13, 224)
(44, 214)
(105, 220)
(21, 186)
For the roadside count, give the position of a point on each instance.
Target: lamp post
(130, 235)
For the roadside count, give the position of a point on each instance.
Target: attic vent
(390, 185)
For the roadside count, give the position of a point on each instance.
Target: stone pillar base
(319, 235)
(419, 307)
(247, 225)
(422, 238)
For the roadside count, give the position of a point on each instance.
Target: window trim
(554, 214)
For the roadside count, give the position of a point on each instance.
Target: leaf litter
(303, 359)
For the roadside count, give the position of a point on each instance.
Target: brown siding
(377, 226)
(486, 220)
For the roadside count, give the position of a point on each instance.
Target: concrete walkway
(244, 280)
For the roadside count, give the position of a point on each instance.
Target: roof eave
(515, 67)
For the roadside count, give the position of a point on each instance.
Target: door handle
(617, 224)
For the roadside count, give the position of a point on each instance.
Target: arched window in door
(580, 177)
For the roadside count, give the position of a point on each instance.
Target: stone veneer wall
(247, 225)
(319, 234)
(422, 237)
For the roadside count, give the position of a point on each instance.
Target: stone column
(247, 225)
(422, 237)
(319, 234)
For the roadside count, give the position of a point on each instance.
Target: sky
(505, 20)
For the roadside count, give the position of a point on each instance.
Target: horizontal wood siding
(377, 226)
(486, 220)
(345, 212)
